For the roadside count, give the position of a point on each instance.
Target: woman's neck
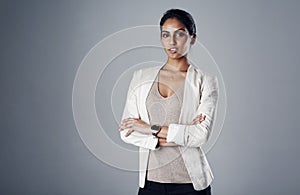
(180, 64)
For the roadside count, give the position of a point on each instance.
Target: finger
(196, 122)
(198, 119)
(198, 116)
(125, 125)
(131, 119)
(195, 119)
(162, 140)
(129, 124)
(122, 127)
(202, 118)
(128, 132)
(126, 119)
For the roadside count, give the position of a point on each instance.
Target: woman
(169, 113)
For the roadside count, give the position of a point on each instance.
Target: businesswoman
(169, 115)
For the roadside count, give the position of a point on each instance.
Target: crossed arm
(136, 124)
(137, 132)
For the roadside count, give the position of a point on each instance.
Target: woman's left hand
(163, 142)
(198, 119)
(135, 124)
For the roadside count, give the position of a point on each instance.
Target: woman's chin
(175, 56)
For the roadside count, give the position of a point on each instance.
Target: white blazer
(200, 96)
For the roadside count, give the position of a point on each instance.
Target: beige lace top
(166, 164)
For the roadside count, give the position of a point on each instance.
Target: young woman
(169, 114)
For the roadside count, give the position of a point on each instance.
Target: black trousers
(156, 188)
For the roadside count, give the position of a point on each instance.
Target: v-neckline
(165, 98)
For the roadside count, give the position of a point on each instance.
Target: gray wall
(255, 43)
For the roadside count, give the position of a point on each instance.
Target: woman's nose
(172, 40)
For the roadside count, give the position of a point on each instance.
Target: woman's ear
(193, 40)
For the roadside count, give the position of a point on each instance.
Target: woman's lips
(173, 50)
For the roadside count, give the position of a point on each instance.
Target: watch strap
(155, 129)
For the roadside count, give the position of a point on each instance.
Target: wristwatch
(155, 129)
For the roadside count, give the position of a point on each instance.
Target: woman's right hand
(163, 142)
(198, 119)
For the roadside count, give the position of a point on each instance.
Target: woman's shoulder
(200, 73)
(206, 78)
(145, 74)
(195, 73)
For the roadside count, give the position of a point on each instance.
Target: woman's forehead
(173, 24)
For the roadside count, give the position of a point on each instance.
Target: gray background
(255, 44)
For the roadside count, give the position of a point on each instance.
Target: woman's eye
(181, 34)
(165, 35)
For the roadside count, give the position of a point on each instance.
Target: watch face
(155, 127)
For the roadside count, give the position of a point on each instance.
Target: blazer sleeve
(131, 110)
(198, 134)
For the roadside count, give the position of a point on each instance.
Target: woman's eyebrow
(181, 29)
(175, 30)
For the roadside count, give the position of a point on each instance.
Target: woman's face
(175, 38)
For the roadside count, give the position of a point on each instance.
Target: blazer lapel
(189, 102)
(190, 97)
(149, 76)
